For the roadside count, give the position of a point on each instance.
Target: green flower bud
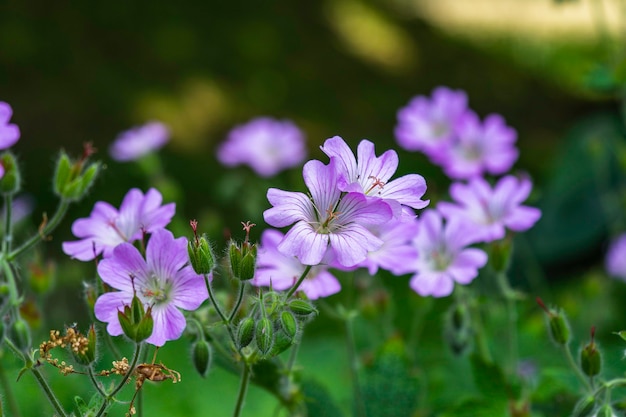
(248, 262)
(200, 254)
(88, 355)
(137, 323)
(202, 356)
(264, 335)
(457, 329)
(72, 180)
(245, 332)
(584, 407)
(289, 324)
(234, 255)
(19, 333)
(590, 357)
(557, 324)
(11, 180)
(243, 258)
(302, 308)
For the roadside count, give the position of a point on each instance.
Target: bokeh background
(85, 71)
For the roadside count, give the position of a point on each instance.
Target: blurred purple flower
(282, 271)
(443, 258)
(326, 221)
(615, 261)
(107, 227)
(490, 211)
(267, 145)
(480, 147)
(369, 175)
(164, 280)
(427, 124)
(398, 254)
(9, 133)
(139, 141)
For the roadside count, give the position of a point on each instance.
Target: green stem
(572, 363)
(354, 367)
(242, 289)
(8, 224)
(8, 394)
(225, 320)
(302, 277)
(95, 382)
(28, 364)
(43, 232)
(131, 369)
(511, 312)
(243, 388)
(14, 298)
(213, 300)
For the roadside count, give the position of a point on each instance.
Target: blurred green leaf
(318, 401)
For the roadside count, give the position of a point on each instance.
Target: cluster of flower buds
(273, 324)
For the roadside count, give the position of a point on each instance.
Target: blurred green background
(85, 71)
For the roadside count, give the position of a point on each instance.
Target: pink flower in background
(443, 257)
(490, 211)
(107, 227)
(139, 141)
(164, 280)
(480, 147)
(370, 175)
(427, 123)
(397, 254)
(615, 261)
(9, 133)
(326, 221)
(267, 145)
(282, 271)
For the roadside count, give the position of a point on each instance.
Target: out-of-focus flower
(615, 261)
(490, 211)
(478, 148)
(443, 256)
(369, 174)
(107, 227)
(164, 282)
(326, 221)
(139, 141)
(398, 254)
(267, 145)
(282, 271)
(9, 133)
(427, 124)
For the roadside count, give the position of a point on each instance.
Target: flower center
(440, 258)
(156, 291)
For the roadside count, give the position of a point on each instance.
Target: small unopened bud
(289, 324)
(72, 179)
(19, 333)
(10, 182)
(590, 357)
(557, 324)
(136, 322)
(243, 258)
(245, 332)
(457, 329)
(202, 356)
(264, 335)
(200, 253)
(301, 308)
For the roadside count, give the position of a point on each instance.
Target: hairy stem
(243, 388)
(297, 284)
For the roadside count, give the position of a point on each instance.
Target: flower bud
(289, 324)
(302, 308)
(202, 356)
(73, 179)
(245, 332)
(457, 329)
(19, 333)
(590, 357)
(87, 353)
(584, 406)
(136, 322)
(264, 335)
(234, 255)
(10, 182)
(557, 324)
(200, 254)
(242, 260)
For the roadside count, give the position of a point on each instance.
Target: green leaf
(489, 379)
(318, 401)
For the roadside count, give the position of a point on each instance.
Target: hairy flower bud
(584, 406)
(289, 324)
(245, 332)
(19, 333)
(557, 324)
(137, 323)
(84, 353)
(590, 357)
(201, 256)
(302, 308)
(264, 335)
(10, 182)
(72, 179)
(242, 260)
(202, 355)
